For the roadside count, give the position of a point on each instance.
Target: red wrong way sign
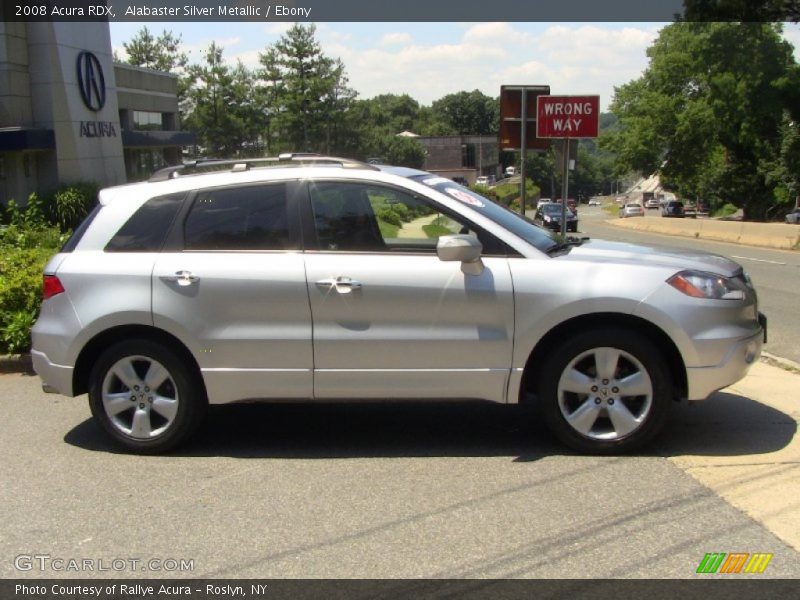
(567, 116)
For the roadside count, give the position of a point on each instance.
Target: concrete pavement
(763, 483)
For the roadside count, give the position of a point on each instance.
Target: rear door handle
(343, 285)
(182, 278)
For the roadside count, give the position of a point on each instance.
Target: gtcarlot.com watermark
(61, 564)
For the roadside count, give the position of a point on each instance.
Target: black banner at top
(405, 11)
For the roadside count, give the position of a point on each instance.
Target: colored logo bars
(735, 562)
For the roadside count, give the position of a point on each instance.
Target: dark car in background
(549, 215)
(794, 216)
(673, 208)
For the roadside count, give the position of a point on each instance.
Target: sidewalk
(765, 482)
(769, 235)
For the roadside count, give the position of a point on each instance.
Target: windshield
(515, 223)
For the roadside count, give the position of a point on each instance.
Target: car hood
(678, 258)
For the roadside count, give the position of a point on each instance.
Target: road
(775, 273)
(378, 491)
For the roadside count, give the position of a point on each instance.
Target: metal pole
(523, 149)
(565, 188)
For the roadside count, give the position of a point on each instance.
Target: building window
(147, 120)
(141, 163)
(467, 155)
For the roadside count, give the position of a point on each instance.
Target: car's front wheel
(145, 397)
(605, 391)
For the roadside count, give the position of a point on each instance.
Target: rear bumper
(704, 381)
(56, 379)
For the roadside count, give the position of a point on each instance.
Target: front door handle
(343, 285)
(183, 278)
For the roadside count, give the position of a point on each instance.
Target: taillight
(51, 287)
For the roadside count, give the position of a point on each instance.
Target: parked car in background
(673, 208)
(482, 180)
(461, 181)
(652, 203)
(511, 171)
(549, 216)
(594, 202)
(794, 216)
(690, 209)
(631, 210)
(703, 208)
(572, 204)
(280, 280)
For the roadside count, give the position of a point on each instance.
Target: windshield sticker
(436, 181)
(464, 197)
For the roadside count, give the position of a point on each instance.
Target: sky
(430, 60)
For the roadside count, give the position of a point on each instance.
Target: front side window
(357, 217)
(243, 218)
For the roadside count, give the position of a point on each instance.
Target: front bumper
(704, 381)
(56, 379)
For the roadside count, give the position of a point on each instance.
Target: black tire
(174, 408)
(638, 360)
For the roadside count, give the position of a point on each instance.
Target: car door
(231, 284)
(391, 320)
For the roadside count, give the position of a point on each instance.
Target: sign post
(567, 117)
(517, 124)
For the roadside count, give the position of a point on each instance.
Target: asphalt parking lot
(388, 490)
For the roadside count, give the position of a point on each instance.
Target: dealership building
(68, 113)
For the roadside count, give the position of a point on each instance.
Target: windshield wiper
(566, 244)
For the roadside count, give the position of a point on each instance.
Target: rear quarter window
(146, 229)
(76, 236)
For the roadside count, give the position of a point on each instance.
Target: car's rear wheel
(605, 391)
(145, 397)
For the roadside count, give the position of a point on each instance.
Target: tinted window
(373, 218)
(243, 218)
(76, 236)
(147, 228)
(513, 222)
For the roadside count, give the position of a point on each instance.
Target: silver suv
(311, 278)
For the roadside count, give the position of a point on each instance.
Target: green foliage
(71, 203)
(709, 113)
(435, 230)
(469, 112)
(162, 53)
(26, 244)
(387, 215)
(726, 210)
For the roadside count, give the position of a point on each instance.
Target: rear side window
(76, 236)
(147, 228)
(243, 218)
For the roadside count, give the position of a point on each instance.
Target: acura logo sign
(91, 82)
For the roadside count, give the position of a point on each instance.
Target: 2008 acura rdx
(319, 278)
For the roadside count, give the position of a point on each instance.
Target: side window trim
(312, 243)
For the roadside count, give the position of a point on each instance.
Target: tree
(469, 113)
(313, 93)
(162, 53)
(404, 152)
(708, 112)
(215, 116)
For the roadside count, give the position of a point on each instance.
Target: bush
(26, 245)
(70, 204)
(388, 215)
(726, 210)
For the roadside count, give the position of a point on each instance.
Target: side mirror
(465, 249)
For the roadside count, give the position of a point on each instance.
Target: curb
(781, 363)
(16, 363)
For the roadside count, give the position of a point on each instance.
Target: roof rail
(288, 159)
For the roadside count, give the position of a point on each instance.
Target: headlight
(707, 285)
(546, 218)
